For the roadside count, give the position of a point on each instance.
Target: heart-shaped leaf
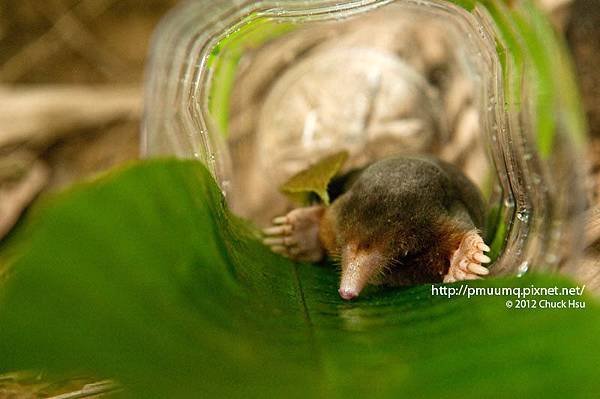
(314, 179)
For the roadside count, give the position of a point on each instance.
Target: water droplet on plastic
(522, 269)
(481, 32)
(225, 187)
(523, 216)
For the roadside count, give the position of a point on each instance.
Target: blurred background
(71, 77)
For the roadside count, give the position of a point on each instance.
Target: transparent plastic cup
(257, 90)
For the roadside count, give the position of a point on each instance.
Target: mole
(399, 221)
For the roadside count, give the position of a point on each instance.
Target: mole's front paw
(466, 261)
(296, 235)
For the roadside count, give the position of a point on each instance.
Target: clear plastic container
(257, 90)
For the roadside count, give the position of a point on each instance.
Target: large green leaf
(144, 276)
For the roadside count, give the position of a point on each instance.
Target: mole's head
(373, 238)
(379, 223)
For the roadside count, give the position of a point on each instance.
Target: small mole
(399, 221)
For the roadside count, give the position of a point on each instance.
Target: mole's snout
(358, 267)
(347, 293)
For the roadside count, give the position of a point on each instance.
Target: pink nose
(347, 294)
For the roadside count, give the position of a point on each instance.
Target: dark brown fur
(414, 211)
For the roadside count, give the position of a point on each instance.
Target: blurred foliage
(144, 276)
(536, 67)
(225, 57)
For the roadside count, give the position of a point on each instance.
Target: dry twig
(91, 390)
(592, 225)
(37, 117)
(14, 198)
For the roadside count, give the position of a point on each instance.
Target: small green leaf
(315, 179)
